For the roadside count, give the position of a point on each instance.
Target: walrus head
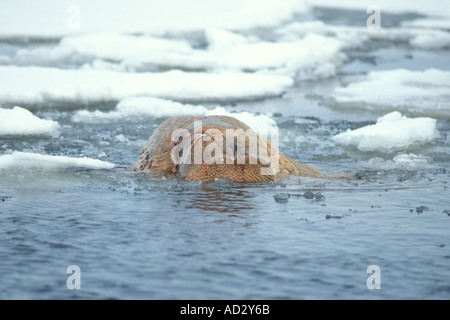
(206, 148)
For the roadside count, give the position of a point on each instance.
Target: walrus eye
(180, 138)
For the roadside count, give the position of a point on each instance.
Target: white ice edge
(405, 161)
(35, 85)
(353, 37)
(420, 92)
(311, 57)
(34, 160)
(19, 122)
(392, 132)
(137, 109)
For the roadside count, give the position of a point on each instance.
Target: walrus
(213, 147)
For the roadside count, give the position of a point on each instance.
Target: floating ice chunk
(351, 37)
(121, 46)
(401, 161)
(227, 51)
(428, 23)
(107, 46)
(19, 121)
(121, 138)
(262, 124)
(35, 85)
(392, 132)
(138, 108)
(421, 92)
(219, 38)
(312, 57)
(418, 38)
(159, 107)
(126, 51)
(98, 64)
(410, 161)
(301, 29)
(348, 37)
(431, 40)
(34, 160)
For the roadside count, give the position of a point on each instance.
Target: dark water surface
(133, 238)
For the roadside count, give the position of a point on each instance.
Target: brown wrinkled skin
(156, 154)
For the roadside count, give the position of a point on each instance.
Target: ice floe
(417, 92)
(435, 39)
(34, 160)
(220, 38)
(263, 124)
(310, 57)
(137, 109)
(36, 85)
(131, 50)
(404, 161)
(19, 121)
(392, 132)
(429, 23)
(351, 37)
